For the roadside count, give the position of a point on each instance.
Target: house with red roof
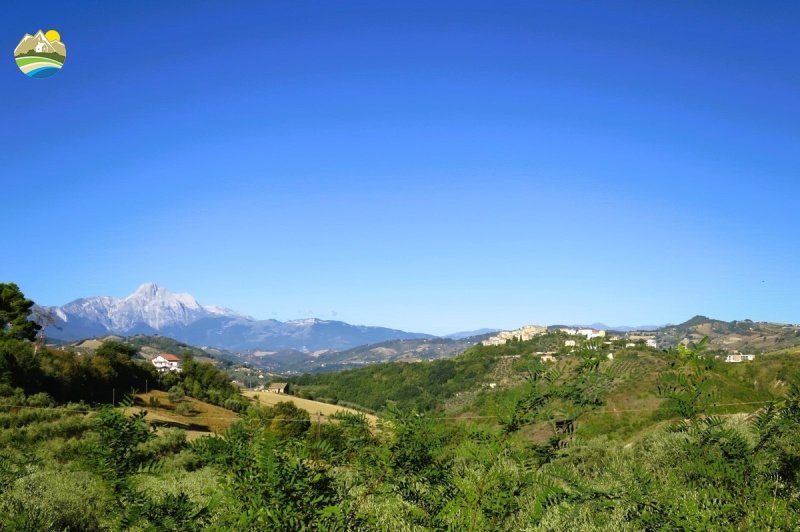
(167, 362)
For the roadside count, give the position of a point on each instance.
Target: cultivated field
(203, 419)
(312, 407)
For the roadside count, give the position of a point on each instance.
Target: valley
(536, 428)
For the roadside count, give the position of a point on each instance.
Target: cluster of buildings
(648, 339)
(527, 332)
(588, 333)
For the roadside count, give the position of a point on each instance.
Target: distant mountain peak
(152, 309)
(146, 290)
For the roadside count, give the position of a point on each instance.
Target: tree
(15, 310)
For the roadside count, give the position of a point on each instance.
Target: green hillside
(486, 379)
(494, 439)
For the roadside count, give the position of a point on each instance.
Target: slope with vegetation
(746, 336)
(526, 454)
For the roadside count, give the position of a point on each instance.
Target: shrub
(183, 408)
(40, 399)
(176, 393)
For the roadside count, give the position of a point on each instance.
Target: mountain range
(154, 310)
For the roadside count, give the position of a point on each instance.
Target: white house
(734, 357)
(592, 333)
(651, 342)
(166, 362)
(44, 47)
(569, 343)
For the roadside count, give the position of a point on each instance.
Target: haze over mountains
(152, 310)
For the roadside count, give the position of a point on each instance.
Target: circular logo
(40, 55)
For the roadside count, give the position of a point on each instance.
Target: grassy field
(203, 419)
(312, 407)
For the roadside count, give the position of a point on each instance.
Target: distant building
(279, 387)
(167, 362)
(569, 343)
(734, 357)
(652, 342)
(527, 332)
(630, 344)
(591, 333)
(548, 358)
(571, 332)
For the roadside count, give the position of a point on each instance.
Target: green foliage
(66, 376)
(536, 466)
(115, 452)
(205, 382)
(422, 385)
(271, 483)
(176, 393)
(183, 408)
(284, 419)
(15, 311)
(687, 386)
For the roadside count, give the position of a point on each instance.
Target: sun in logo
(40, 55)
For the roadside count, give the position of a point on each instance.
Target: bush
(176, 393)
(183, 408)
(40, 399)
(57, 500)
(168, 441)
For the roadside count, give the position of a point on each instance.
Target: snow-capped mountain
(152, 309)
(149, 305)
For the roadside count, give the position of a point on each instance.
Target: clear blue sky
(431, 166)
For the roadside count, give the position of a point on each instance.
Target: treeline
(111, 372)
(205, 382)
(108, 374)
(421, 385)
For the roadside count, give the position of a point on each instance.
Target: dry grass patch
(203, 418)
(312, 407)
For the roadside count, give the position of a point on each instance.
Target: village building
(525, 333)
(736, 356)
(279, 387)
(167, 362)
(592, 333)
